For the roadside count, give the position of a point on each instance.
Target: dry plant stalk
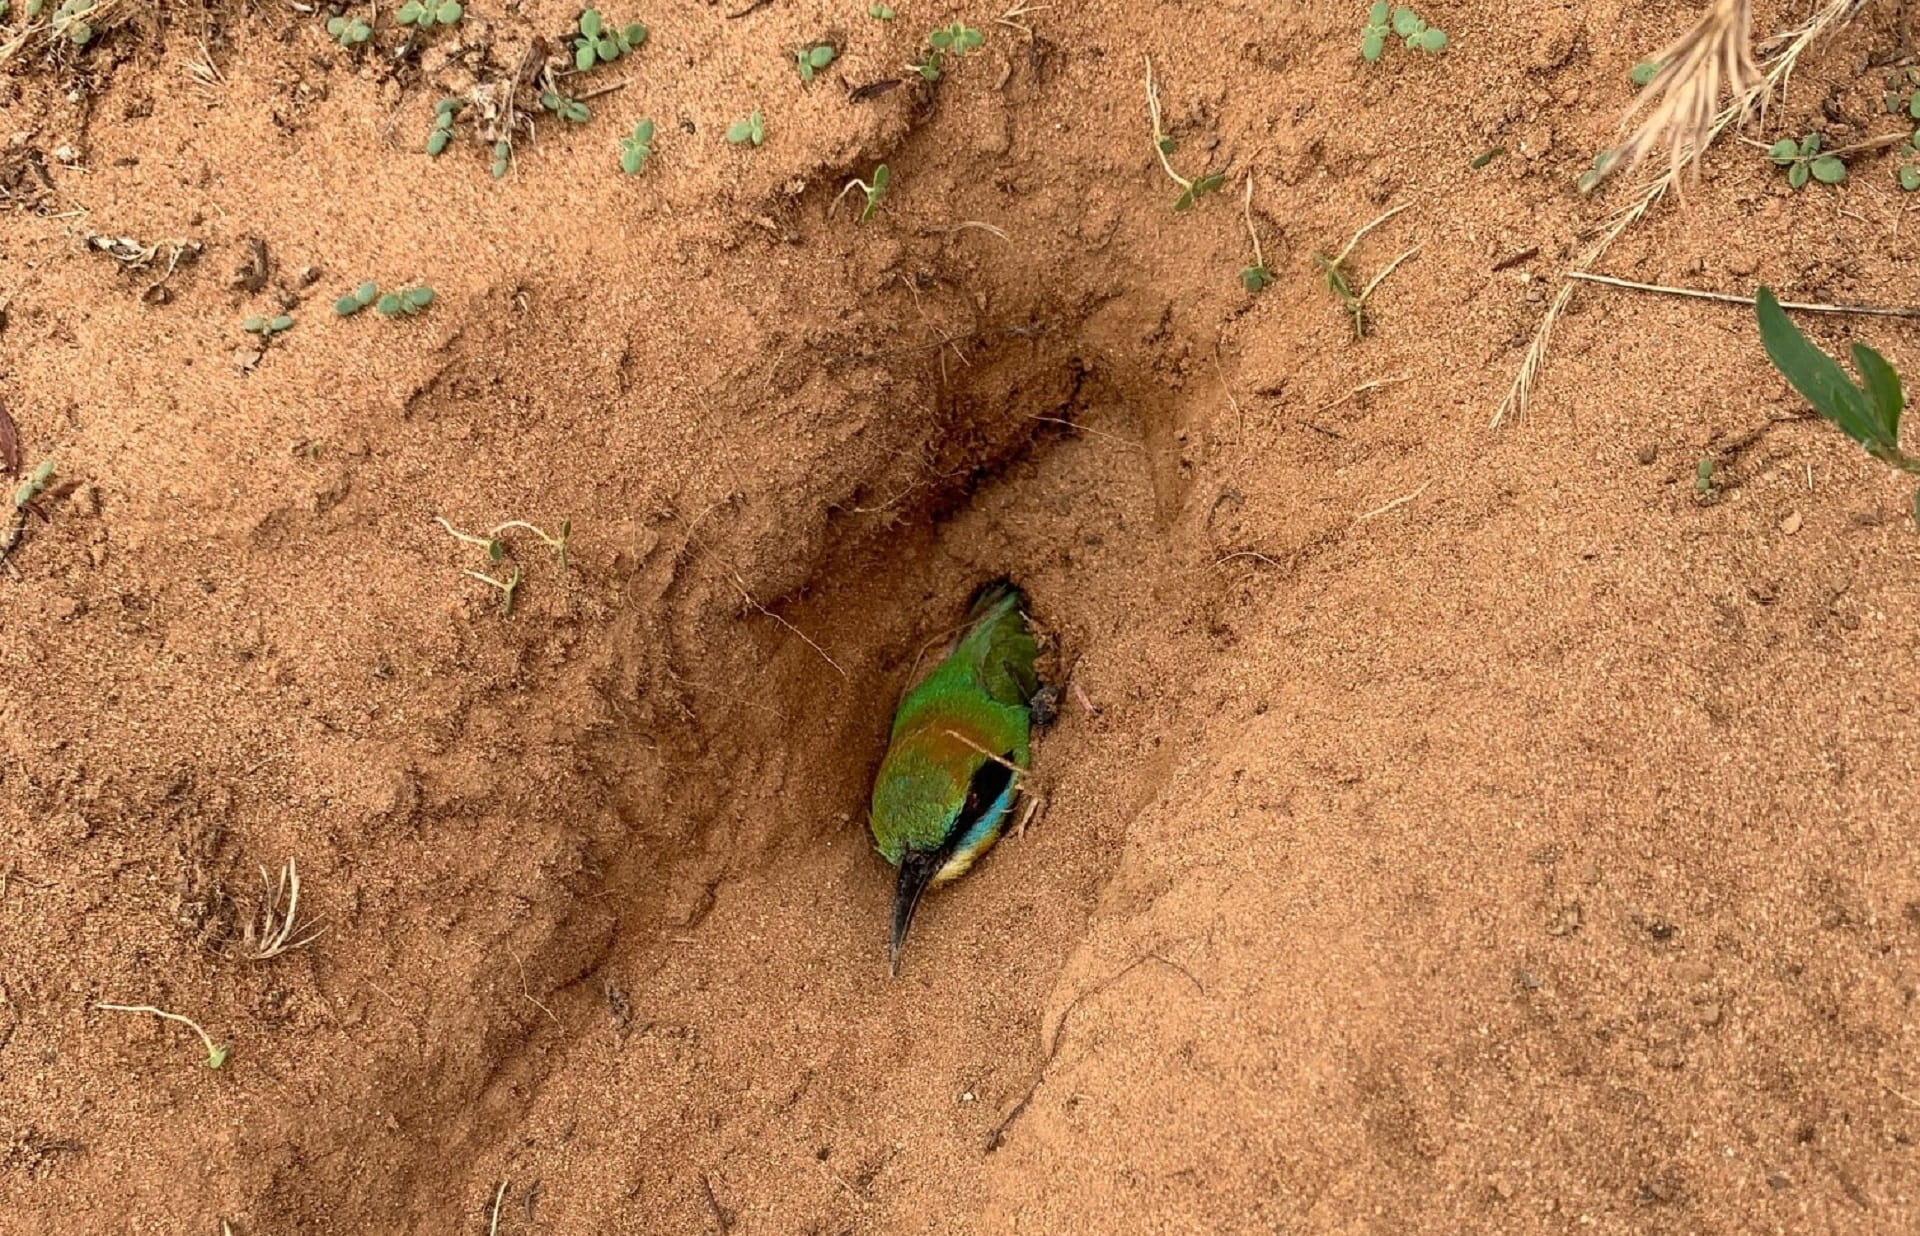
(279, 929)
(1687, 147)
(1682, 102)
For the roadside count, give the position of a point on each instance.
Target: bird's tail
(1000, 644)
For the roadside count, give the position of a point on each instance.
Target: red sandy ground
(1535, 854)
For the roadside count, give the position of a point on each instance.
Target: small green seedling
(35, 8)
(1418, 34)
(954, 40)
(266, 327)
(426, 14)
(356, 300)
(15, 526)
(495, 547)
(1255, 277)
(1591, 178)
(70, 21)
(812, 59)
(874, 190)
(5, 7)
(880, 12)
(750, 129)
(1643, 73)
(1384, 19)
(1703, 479)
(1803, 159)
(1909, 172)
(1334, 271)
(507, 587)
(1191, 191)
(599, 43)
(636, 148)
(570, 110)
(1868, 414)
(1373, 35)
(216, 1052)
(35, 485)
(1898, 98)
(502, 158)
(445, 112)
(404, 303)
(348, 31)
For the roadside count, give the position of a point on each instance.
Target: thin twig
(1098, 433)
(1359, 390)
(499, 1196)
(962, 226)
(1728, 298)
(1391, 267)
(1001, 760)
(1402, 500)
(746, 596)
(1357, 236)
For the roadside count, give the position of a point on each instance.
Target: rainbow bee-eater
(959, 751)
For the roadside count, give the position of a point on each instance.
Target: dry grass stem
(1679, 107)
(1728, 298)
(279, 929)
(1754, 95)
(1401, 501)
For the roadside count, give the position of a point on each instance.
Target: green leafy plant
(348, 31)
(880, 12)
(404, 303)
(1867, 413)
(814, 58)
(1418, 35)
(35, 485)
(70, 21)
(1191, 191)
(1802, 159)
(266, 327)
(1898, 98)
(571, 110)
(1643, 73)
(874, 190)
(356, 300)
(750, 129)
(599, 43)
(1909, 170)
(445, 112)
(5, 7)
(1384, 19)
(502, 158)
(957, 39)
(426, 14)
(636, 148)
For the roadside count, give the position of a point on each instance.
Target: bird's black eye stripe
(990, 781)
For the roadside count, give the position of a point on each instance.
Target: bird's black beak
(917, 870)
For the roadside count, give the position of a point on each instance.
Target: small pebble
(1791, 524)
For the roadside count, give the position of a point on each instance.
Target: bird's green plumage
(947, 783)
